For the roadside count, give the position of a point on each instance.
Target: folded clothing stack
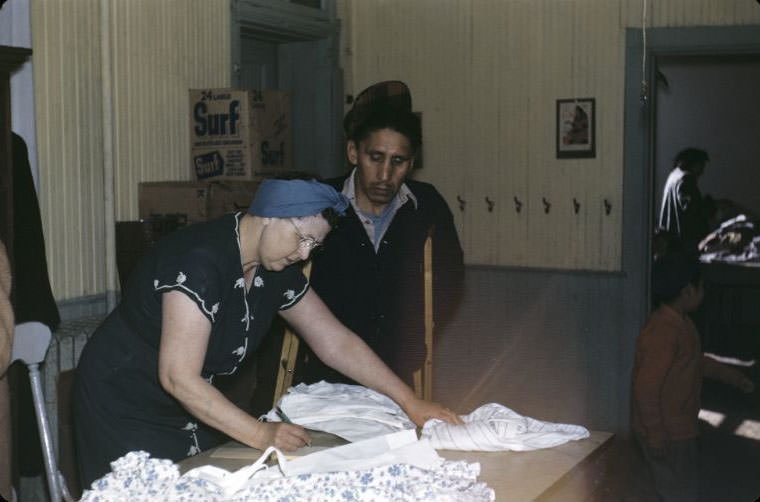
(494, 427)
(354, 412)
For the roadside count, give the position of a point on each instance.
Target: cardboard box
(194, 200)
(238, 134)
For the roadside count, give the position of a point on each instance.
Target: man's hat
(392, 93)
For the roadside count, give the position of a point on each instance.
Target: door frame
(282, 22)
(638, 154)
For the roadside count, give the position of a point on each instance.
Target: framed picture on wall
(576, 128)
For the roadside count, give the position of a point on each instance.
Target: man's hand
(286, 437)
(421, 411)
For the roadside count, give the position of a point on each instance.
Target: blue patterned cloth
(137, 477)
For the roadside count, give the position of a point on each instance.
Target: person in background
(195, 306)
(667, 378)
(370, 270)
(684, 211)
(7, 325)
(33, 300)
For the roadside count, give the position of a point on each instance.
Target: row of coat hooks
(546, 203)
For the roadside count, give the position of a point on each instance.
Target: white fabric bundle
(494, 427)
(352, 412)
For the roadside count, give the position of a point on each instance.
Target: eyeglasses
(304, 242)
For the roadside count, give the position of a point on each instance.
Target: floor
(729, 463)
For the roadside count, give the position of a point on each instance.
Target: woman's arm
(184, 340)
(341, 349)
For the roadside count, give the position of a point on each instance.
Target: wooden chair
(288, 355)
(423, 378)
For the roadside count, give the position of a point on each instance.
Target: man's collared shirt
(375, 226)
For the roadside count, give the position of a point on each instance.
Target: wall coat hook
(461, 202)
(607, 207)
(518, 204)
(547, 205)
(490, 204)
(576, 205)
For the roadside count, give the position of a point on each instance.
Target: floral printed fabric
(136, 477)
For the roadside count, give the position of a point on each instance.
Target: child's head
(676, 280)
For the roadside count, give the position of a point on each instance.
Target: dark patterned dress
(119, 404)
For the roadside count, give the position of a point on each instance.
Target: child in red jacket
(667, 379)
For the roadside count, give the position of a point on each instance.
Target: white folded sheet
(354, 412)
(494, 427)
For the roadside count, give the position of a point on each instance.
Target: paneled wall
(158, 50)
(486, 76)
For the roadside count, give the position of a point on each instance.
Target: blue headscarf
(295, 199)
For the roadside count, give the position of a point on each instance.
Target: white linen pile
(398, 468)
(494, 427)
(354, 412)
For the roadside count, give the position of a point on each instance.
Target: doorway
(653, 135)
(294, 46)
(710, 102)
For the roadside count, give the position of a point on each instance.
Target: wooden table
(568, 473)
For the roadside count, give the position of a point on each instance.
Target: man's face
(384, 159)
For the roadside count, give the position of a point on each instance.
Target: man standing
(684, 212)
(370, 272)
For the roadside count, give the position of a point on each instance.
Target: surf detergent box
(240, 134)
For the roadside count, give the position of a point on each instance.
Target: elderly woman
(197, 304)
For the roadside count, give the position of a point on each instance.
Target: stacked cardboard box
(238, 134)
(194, 201)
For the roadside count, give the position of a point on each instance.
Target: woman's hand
(420, 411)
(286, 437)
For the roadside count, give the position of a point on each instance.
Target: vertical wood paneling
(159, 50)
(486, 75)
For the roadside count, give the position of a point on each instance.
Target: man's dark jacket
(380, 296)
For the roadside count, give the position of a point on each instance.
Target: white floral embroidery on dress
(195, 448)
(240, 283)
(258, 282)
(289, 294)
(181, 278)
